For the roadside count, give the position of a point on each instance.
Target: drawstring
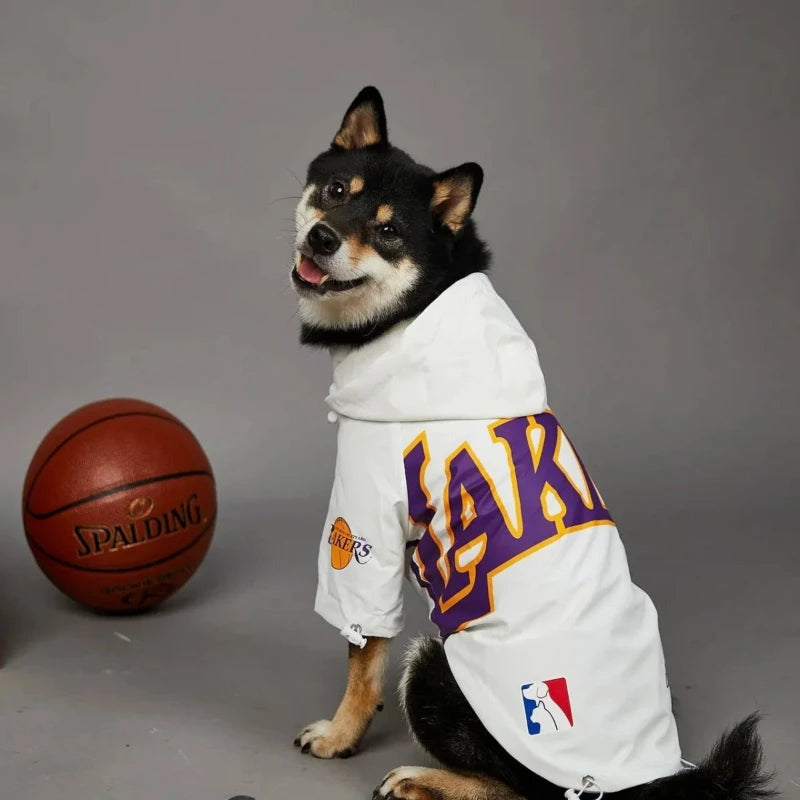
(587, 784)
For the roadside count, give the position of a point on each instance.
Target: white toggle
(588, 786)
(353, 635)
(333, 417)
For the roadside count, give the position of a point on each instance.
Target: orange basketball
(341, 542)
(119, 505)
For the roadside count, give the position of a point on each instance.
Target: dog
(547, 676)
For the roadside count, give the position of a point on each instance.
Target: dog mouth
(308, 276)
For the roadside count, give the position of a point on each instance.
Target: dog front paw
(322, 740)
(404, 783)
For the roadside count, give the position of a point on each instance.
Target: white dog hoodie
(447, 450)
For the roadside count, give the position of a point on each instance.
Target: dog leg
(423, 783)
(339, 737)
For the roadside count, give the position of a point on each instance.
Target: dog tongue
(310, 272)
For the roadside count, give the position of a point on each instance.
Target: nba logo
(547, 706)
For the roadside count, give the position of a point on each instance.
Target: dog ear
(364, 124)
(455, 193)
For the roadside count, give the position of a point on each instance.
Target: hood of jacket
(466, 356)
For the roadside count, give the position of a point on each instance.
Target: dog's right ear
(364, 124)
(455, 193)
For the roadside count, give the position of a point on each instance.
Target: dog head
(378, 236)
(537, 691)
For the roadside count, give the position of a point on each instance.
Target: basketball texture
(119, 505)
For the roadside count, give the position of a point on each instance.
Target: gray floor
(204, 699)
(200, 700)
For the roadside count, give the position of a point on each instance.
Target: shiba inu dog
(547, 677)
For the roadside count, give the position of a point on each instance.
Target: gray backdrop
(641, 200)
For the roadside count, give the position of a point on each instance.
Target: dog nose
(322, 240)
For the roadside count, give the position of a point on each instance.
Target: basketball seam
(118, 570)
(69, 438)
(116, 489)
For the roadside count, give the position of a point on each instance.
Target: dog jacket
(452, 470)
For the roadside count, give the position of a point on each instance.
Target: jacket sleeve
(361, 566)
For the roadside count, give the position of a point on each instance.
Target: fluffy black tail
(733, 770)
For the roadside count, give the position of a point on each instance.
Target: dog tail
(733, 770)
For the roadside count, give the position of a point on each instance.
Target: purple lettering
(553, 496)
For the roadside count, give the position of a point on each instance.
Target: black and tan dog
(388, 261)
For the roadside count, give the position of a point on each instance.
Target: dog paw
(323, 741)
(404, 783)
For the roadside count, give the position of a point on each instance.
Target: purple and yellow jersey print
(552, 496)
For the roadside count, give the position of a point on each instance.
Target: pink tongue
(309, 271)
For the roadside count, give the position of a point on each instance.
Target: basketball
(341, 542)
(119, 505)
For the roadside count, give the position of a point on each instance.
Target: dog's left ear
(455, 193)
(364, 124)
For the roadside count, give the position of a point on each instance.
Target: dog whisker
(282, 199)
(299, 182)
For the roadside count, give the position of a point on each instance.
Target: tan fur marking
(359, 251)
(441, 784)
(359, 130)
(385, 214)
(356, 184)
(363, 695)
(451, 201)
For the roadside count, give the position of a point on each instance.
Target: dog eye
(337, 189)
(388, 232)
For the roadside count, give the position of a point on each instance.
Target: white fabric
(520, 561)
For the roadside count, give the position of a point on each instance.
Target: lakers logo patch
(345, 546)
